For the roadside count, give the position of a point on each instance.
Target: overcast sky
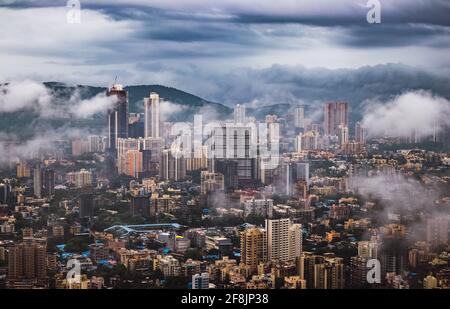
(231, 51)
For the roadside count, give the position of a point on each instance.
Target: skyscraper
(233, 144)
(151, 115)
(86, 205)
(291, 172)
(358, 271)
(5, 192)
(239, 114)
(37, 182)
(27, 264)
(22, 170)
(299, 116)
(149, 147)
(117, 116)
(284, 240)
(43, 182)
(335, 115)
(131, 163)
(343, 135)
(253, 248)
(437, 231)
(140, 205)
(307, 141)
(329, 274)
(82, 178)
(172, 167)
(360, 133)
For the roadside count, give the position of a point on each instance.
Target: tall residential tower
(117, 116)
(151, 115)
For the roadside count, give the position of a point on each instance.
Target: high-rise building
(80, 179)
(117, 116)
(335, 115)
(200, 281)
(231, 142)
(253, 248)
(393, 255)
(44, 182)
(284, 240)
(239, 114)
(299, 116)
(437, 231)
(5, 192)
(131, 163)
(306, 265)
(79, 147)
(211, 182)
(228, 168)
(291, 173)
(96, 143)
(329, 274)
(343, 135)
(235, 144)
(360, 133)
(23, 170)
(150, 148)
(86, 205)
(37, 182)
(358, 272)
(27, 265)
(369, 249)
(140, 205)
(151, 115)
(302, 172)
(307, 141)
(172, 167)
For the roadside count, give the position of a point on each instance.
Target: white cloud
(14, 148)
(418, 111)
(26, 94)
(89, 107)
(396, 191)
(167, 108)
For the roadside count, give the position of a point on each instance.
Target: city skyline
(246, 146)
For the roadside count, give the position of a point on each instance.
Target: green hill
(26, 123)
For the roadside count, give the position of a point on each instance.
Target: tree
(77, 245)
(178, 282)
(194, 254)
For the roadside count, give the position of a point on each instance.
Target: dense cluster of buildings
(146, 207)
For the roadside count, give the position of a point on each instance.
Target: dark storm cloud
(433, 12)
(316, 12)
(385, 35)
(203, 46)
(243, 25)
(290, 84)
